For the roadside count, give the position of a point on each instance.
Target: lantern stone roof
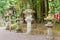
(7, 15)
(49, 17)
(10, 8)
(28, 11)
(18, 19)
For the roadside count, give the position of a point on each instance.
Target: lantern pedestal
(28, 20)
(19, 28)
(7, 26)
(28, 27)
(1, 21)
(10, 11)
(49, 30)
(8, 22)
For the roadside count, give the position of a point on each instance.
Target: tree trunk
(22, 15)
(42, 11)
(34, 8)
(46, 8)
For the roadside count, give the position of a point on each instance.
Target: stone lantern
(1, 21)
(19, 24)
(28, 18)
(49, 26)
(10, 12)
(7, 22)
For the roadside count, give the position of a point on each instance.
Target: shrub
(13, 26)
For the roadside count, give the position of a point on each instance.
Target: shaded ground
(7, 35)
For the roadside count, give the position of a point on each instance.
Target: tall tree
(46, 8)
(34, 8)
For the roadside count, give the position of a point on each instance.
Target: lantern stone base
(49, 26)
(7, 28)
(50, 34)
(19, 30)
(50, 37)
(28, 30)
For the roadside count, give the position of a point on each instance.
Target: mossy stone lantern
(10, 12)
(28, 12)
(7, 22)
(18, 21)
(49, 26)
(18, 29)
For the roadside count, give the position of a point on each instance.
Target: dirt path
(7, 35)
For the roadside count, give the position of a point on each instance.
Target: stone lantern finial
(28, 6)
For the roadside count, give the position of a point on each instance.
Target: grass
(40, 29)
(56, 29)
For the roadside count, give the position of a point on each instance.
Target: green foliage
(13, 27)
(19, 30)
(51, 5)
(38, 9)
(57, 6)
(5, 4)
(19, 4)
